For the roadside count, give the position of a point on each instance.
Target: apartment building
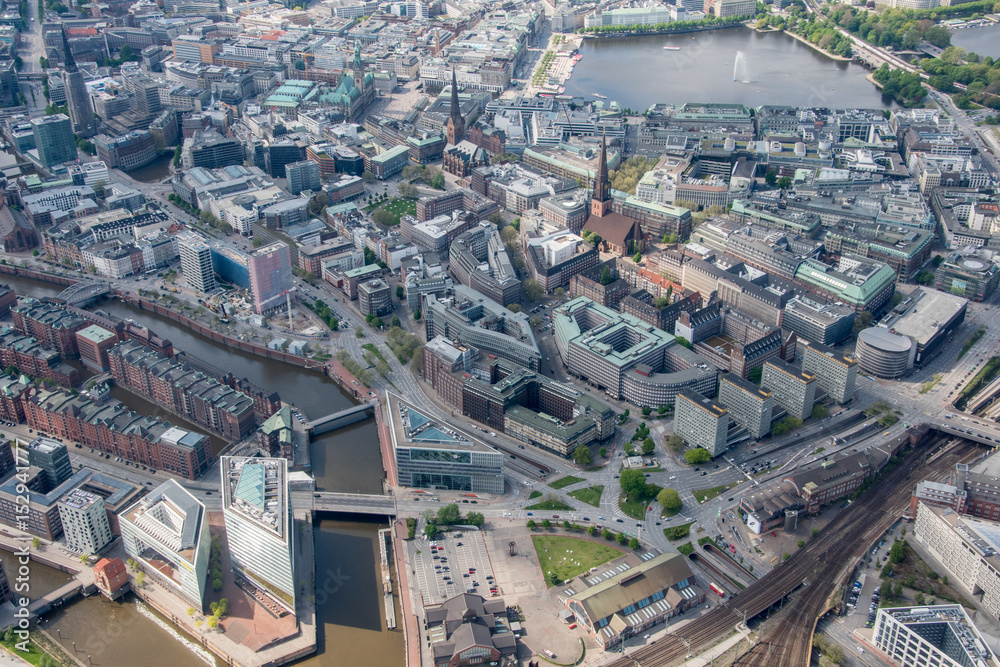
(835, 373)
(749, 406)
(793, 389)
(84, 521)
(701, 421)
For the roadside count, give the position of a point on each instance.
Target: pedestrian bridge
(343, 418)
(79, 294)
(56, 598)
(354, 503)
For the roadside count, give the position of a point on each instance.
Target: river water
(155, 171)
(637, 72)
(348, 599)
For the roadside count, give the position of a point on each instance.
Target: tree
(438, 181)
(559, 293)
(820, 411)
(416, 314)
(622, 538)
(546, 524)
(553, 579)
(567, 526)
(648, 446)
(697, 455)
(923, 278)
(384, 218)
(674, 442)
(400, 292)
(684, 342)
(647, 411)
(581, 455)
(862, 321)
(449, 514)
(532, 290)
(531, 524)
(669, 499)
(514, 308)
(591, 530)
(784, 182)
(632, 482)
(606, 278)
(476, 519)
(407, 191)
(368, 177)
(755, 374)
(431, 529)
(634, 543)
(607, 534)
(771, 177)
(604, 452)
(140, 580)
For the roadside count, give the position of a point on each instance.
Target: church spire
(456, 124)
(601, 202)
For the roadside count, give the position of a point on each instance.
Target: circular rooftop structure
(971, 264)
(883, 353)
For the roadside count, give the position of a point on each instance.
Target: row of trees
(449, 515)
(672, 26)
(621, 538)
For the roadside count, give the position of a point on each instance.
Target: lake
(637, 72)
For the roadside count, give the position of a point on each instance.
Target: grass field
(675, 533)
(397, 206)
(564, 481)
(701, 495)
(551, 505)
(637, 508)
(591, 495)
(685, 549)
(535, 494)
(566, 557)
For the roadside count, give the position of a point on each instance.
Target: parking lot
(452, 564)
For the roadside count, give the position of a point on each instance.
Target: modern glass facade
(451, 469)
(270, 276)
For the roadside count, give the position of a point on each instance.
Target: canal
(638, 72)
(348, 597)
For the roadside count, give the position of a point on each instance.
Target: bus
(718, 591)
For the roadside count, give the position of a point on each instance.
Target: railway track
(817, 568)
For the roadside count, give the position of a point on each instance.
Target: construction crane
(304, 61)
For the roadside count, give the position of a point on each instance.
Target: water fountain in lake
(741, 68)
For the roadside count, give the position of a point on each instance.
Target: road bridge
(966, 430)
(354, 503)
(337, 419)
(80, 294)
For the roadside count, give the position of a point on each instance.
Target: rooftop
(257, 490)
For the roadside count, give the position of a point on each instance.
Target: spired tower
(456, 124)
(600, 204)
(81, 112)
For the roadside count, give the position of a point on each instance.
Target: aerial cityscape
(435, 334)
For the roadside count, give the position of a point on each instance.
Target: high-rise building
(793, 390)
(931, 636)
(168, 532)
(374, 298)
(7, 463)
(836, 373)
(54, 139)
(270, 276)
(128, 151)
(81, 111)
(750, 406)
(196, 261)
(302, 175)
(701, 421)
(259, 524)
(4, 585)
(52, 458)
(84, 522)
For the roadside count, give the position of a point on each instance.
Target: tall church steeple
(600, 205)
(456, 124)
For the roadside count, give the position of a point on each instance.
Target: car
(673, 477)
(702, 474)
(729, 500)
(619, 520)
(208, 493)
(555, 516)
(530, 514)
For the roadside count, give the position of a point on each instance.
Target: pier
(384, 542)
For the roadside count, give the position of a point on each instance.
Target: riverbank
(674, 31)
(815, 47)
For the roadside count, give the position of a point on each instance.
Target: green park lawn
(551, 505)
(568, 557)
(637, 508)
(703, 495)
(590, 495)
(564, 481)
(397, 206)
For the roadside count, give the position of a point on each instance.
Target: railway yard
(810, 578)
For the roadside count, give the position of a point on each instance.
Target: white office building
(196, 261)
(167, 533)
(85, 522)
(259, 525)
(937, 636)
